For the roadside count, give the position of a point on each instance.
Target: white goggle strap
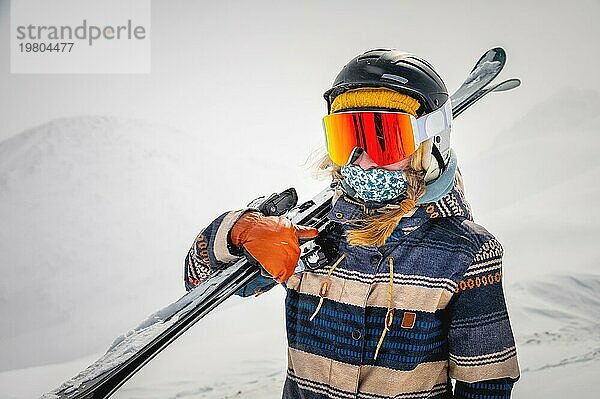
(433, 123)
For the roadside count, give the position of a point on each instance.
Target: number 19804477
(45, 47)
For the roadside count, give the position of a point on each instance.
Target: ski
(150, 337)
(477, 95)
(131, 351)
(489, 65)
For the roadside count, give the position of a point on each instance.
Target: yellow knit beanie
(376, 97)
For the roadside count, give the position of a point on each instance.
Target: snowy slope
(97, 215)
(240, 347)
(89, 209)
(556, 320)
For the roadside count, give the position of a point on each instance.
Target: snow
(202, 363)
(99, 212)
(127, 345)
(124, 347)
(557, 340)
(484, 69)
(97, 216)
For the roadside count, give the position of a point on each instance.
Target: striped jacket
(396, 321)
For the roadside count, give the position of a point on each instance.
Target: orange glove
(272, 240)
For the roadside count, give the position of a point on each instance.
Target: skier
(414, 297)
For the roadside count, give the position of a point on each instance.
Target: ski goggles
(388, 137)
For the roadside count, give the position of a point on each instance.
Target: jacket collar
(438, 188)
(453, 203)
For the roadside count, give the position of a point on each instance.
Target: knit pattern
(448, 317)
(375, 184)
(375, 97)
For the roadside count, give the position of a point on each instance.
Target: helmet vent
(374, 53)
(368, 56)
(396, 78)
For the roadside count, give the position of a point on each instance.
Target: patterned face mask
(375, 184)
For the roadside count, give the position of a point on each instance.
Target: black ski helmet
(393, 69)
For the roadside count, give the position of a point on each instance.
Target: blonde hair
(374, 230)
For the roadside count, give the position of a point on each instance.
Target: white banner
(80, 36)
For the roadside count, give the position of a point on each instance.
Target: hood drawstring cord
(389, 316)
(325, 286)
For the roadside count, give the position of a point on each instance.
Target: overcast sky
(255, 71)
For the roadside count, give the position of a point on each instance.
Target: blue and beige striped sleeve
(212, 251)
(483, 355)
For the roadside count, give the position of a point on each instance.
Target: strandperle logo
(85, 31)
(80, 36)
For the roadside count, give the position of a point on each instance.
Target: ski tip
(507, 85)
(495, 54)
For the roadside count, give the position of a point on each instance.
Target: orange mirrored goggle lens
(387, 137)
